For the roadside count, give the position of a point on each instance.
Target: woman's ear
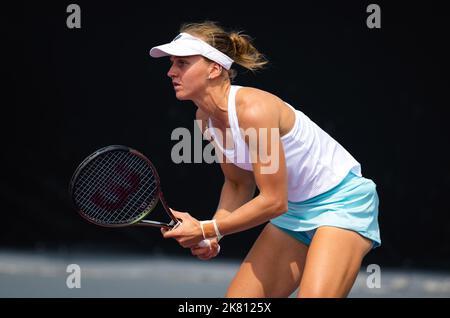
(216, 71)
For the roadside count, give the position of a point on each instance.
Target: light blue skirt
(352, 204)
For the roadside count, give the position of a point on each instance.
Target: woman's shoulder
(252, 101)
(247, 93)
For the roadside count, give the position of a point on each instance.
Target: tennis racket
(118, 186)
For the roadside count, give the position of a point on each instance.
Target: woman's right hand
(206, 253)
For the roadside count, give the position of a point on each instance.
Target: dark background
(382, 93)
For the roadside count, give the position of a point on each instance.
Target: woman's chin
(180, 96)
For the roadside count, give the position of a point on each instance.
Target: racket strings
(116, 188)
(87, 185)
(114, 216)
(147, 189)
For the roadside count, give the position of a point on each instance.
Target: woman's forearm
(255, 212)
(232, 197)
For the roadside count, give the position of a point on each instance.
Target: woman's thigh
(272, 268)
(333, 262)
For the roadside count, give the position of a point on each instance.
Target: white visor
(185, 44)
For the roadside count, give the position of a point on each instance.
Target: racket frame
(140, 221)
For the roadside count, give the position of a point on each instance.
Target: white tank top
(315, 161)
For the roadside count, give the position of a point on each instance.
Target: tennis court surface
(44, 274)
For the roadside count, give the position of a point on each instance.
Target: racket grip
(207, 243)
(174, 225)
(204, 243)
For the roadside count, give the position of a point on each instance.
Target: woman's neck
(214, 101)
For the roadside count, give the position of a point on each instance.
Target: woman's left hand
(189, 233)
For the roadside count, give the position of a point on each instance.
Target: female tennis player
(323, 215)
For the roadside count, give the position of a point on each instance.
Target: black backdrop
(382, 93)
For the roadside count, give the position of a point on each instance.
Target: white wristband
(216, 229)
(201, 226)
(219, 236)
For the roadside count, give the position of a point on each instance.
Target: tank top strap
(232, 115)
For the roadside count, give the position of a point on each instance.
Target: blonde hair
(236, 45)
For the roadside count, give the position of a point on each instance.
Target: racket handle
(207, 243)
(204, 243)
(174, 225)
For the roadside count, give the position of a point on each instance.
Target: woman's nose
(171, 72)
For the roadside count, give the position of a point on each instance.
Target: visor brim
(172, 49)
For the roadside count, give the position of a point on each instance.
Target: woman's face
(189, 75)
